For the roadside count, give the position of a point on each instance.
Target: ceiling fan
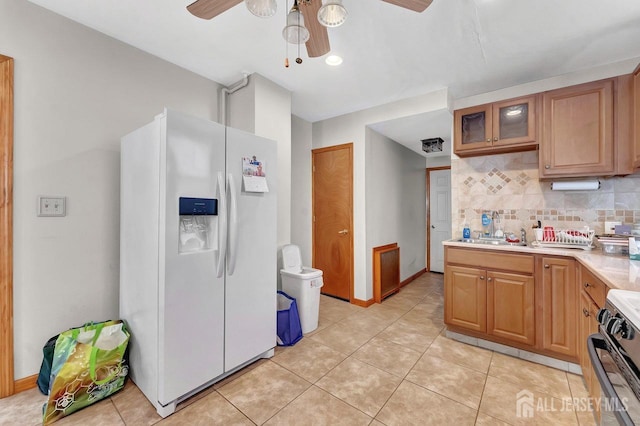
(317, 39)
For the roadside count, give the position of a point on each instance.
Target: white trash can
(303, 284)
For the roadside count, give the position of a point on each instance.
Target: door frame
(428, 216)
(348, 146)
(7, 386)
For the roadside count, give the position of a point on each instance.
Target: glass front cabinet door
(498, 127)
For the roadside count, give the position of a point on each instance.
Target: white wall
(351, 128)
(579, 77)
(273, 121)
(301, 225)
(441, 161)
(76, 93)
(395, 201)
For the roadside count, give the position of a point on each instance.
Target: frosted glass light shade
(262, 8)
(295, 31)
(332, 13)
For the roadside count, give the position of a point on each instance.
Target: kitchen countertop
(616, 271)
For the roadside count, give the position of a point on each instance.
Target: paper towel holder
(576, 185)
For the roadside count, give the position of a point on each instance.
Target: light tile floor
(389, 364)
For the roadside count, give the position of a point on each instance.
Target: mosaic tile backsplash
(508, 184)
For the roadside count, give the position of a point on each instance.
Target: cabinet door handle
(489, 279)
(546, 266)
(489, 140)
(495, 139)
(482, 277)
(587, 285)
(546, 166)
(585, 312)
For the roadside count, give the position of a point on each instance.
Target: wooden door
(333, 218)
(559, 305)
(465, 295)
(511, 307)
(6, 227)
(472, 128)
(439, 219)
(577, 135)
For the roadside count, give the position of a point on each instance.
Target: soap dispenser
(466, 232)
(486, 224)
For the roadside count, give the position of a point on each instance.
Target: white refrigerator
(198, 253)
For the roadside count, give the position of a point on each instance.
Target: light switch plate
(51, 206)
(610, 226)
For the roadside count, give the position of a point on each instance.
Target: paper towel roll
(576, 185)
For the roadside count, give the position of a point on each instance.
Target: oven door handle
(597, 341)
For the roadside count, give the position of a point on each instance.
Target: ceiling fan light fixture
(262, 8)
(295, 31)
(332, 13)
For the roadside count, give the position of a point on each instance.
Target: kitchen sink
(489, 241)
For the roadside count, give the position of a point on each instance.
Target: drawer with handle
(593, 286)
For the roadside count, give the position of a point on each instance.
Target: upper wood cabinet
(505, 126)
(578, 131)
(636, 118)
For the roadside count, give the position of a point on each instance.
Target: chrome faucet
(494, 216)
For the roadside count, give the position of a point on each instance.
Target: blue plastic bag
(289, 328)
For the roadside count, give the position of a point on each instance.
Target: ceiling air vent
(432, 145)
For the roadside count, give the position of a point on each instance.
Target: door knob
(433, 227)
(343, 232)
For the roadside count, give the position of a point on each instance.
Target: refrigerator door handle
(233, 225)
(222, 225)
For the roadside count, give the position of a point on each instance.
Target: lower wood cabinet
(592, 298)
(544, 304)
(496, 303)
(466, 298)
(519, 299)
(511, 307)
(491, 301)
(559, 299)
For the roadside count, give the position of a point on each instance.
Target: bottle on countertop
(466, 232)
(486, 224)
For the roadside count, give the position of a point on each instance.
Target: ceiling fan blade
(318, 43)
(207, 9)
(415, 5)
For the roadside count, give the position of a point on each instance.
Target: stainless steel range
(615, 356)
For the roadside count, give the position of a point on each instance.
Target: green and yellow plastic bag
(88, 365)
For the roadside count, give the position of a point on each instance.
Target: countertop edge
(616, 272)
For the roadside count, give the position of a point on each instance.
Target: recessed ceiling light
(333, 60)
